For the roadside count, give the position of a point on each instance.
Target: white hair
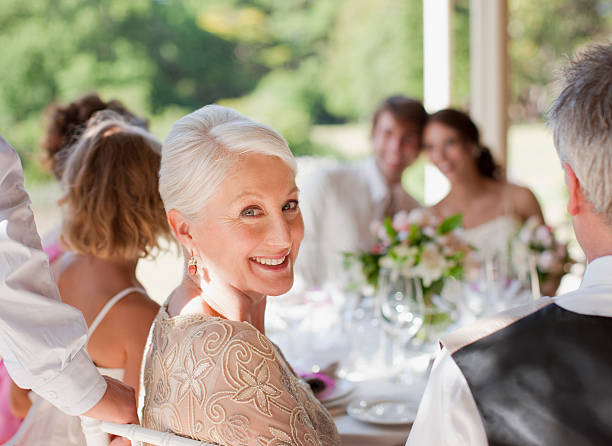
(201, 149)
(581, 119)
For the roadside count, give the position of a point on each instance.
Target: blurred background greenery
(313, 69)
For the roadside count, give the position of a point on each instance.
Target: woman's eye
(290, 205)
(251, 212)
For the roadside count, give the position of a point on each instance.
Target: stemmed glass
(401, 309)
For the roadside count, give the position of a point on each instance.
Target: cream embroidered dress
(224, 382)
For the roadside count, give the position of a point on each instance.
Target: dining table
(312, 338)
(354, 432)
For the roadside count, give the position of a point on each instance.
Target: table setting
(366, 343)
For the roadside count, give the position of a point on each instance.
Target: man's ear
(181, 228)
(576, 197)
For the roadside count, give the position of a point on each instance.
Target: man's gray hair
(201, 150)
(581, 119)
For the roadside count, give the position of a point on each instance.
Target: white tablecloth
(357, 433)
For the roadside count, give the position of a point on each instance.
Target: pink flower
(377, 249)
(401, 221)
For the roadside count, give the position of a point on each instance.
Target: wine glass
(401, 309)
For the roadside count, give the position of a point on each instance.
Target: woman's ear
(181, 228)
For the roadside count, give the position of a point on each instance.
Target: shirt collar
(594, 297)
(376, 180)
(598, 272)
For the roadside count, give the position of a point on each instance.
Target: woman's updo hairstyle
(201, 150)
(111, 204)
(467, 130)
(66, 123)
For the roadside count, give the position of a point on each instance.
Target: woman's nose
(279, 234)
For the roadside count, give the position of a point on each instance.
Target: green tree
(375, 50)
(150, 55)
(541, 35)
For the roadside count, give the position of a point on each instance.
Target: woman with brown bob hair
(65, 124)
(112, 217)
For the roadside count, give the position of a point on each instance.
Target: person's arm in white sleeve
(41, 340)
(448, 415)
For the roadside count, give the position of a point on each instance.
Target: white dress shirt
(338, 206)
(41, 340)
(448, 414)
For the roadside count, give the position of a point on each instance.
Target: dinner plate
(385, 411)
(343, 388)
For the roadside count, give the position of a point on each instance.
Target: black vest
(546, 379)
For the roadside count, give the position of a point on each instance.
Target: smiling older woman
(228, 185)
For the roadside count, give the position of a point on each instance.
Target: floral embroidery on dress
(191, 376)
(257, 388)
(224, 382)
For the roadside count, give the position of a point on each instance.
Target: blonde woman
(112, 217)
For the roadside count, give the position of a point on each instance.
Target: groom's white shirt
(448, 414)
(339, 205)
(42, 341)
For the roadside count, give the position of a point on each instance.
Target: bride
(493, 209)
(210, 373)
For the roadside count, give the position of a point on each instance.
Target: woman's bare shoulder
(136, 306)
(524, 201)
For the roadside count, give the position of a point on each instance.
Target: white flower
(418, 216)
(429, 231)
(545, 260)
(543, 237)
(379, 231)
(387, 262)
(432, 264)
(527, 231)
(406, 259)
(452, 243)
(408, 270)
(406, 253)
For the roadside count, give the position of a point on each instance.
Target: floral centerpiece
(417, 245)
(536, 247)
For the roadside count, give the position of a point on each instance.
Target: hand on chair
(118, 405)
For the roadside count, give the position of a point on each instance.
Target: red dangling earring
(192, 265)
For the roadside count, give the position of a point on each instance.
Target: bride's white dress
(492, 238)
(497, 286)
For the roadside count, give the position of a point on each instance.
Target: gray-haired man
(541, 374)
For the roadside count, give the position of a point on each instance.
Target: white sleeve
(41, 340)
(448, 415)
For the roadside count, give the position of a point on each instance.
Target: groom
(541, 374)
(339, 204)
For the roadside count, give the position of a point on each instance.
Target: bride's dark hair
(461, 122)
